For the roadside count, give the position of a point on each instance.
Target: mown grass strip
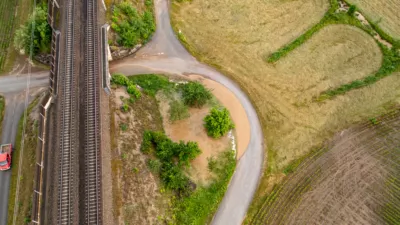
(327, 19)
(28, 170)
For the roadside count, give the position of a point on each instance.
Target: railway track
(68, 129)
(92, 119)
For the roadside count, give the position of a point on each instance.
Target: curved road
(13, 89)
(165, 54)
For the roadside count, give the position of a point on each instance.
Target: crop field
(384, 13)
(355, 179)
(283, 92)
(7, 20)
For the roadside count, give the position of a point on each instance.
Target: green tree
(194, 94)
(187, 152)
(41, 30)
(173, 177)
(218, 122)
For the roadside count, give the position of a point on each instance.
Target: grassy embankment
(27, 170)
(2, 109)
(187, 206)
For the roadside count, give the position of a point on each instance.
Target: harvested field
(384, 13)
(336, 55)
(282, 93)
(354, 179)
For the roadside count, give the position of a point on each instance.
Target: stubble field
(384, 13)
(352, 180)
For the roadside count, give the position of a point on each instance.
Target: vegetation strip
(2, 109)
(28, 170)
(391, 57)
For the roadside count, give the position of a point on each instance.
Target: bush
(178, 111)
(123, 126)
(132, 28)
(187, 152)
(154, 165)
(218, 122)
(131, 89)
(125, 107)
(173, 177)
(195, 94)
(352, 10)
(41, 33)
(120, 79)
(151, 83)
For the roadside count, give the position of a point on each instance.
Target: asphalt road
(13, 89)
(165, 54)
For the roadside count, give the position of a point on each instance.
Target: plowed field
(355, 179)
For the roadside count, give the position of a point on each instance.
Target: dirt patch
(350, 181)
(192, 129)
(136, 192)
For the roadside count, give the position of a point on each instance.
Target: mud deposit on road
(238, 114)
(354, 179)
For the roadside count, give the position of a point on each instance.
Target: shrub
(125, 107)
(120, 79)
(124, 126)
(352, 10)
(218, 122)
(131, 89)
(147, 142)
(41, 32)
(173, 177)
(151, 83)
(178, 111)
(186, 152)
(154, 165)
(195, 94)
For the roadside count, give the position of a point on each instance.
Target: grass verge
(27, 171)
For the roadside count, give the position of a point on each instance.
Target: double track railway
(70, 97)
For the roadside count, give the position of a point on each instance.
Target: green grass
(178, 111)
(152, 83)
(28, 170)
(200, 206)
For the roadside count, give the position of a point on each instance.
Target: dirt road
(165, 54)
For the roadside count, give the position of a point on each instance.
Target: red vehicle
(5, 156)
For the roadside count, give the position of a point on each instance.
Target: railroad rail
(93, 210)
(67, 126)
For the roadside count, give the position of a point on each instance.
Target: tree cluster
(36, 32)
(173, 156)
(132, 27)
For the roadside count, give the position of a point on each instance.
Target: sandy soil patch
(236, 110)
(192, 129)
